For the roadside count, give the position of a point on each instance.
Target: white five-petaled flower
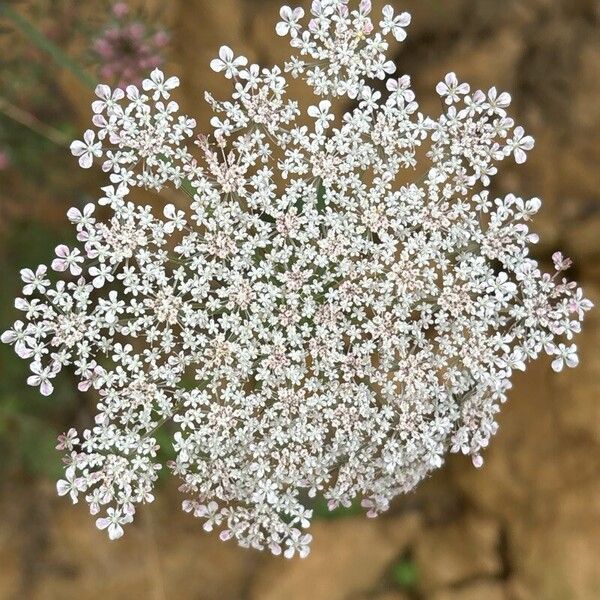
(394, 23)
(298, 542)
(561, 263)
(114, 521)
(501, 286)
(401, 87)
(370, 99)
(41, 377)
(498, 103)
(580, 305)
(211, 513)
(67, 440)
(289, 23)
(228, 63)
(35, 282)
(520, 144)
(87, 150)
(451, 88)
(161, 87)
(67, 260)
(22, 337)
(176, 218)
(565, 355)
(108, 98)
(72, 484)
(322, 114)
(84, 217)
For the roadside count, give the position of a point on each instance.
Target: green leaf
(405, 574)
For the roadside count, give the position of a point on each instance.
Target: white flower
(307, 315)
(114, 522)
(452, 89)
(211, 513)
(501, 286)
(289, 22)
(67, 260)
(298, 542)
(228, 63)
(85, 218)
(41, 377)
(401, 87)
(175, 217)
(71, 485)
(394, 23)
(108, 98)
(519, 144)
(370, 99)
(565, 355)
(159, 85)
(101, 275)
(87, 149)
(66, 441)
(22, 337)
(35, 282)
(497, 103)
(321, 114)
(580, 305)
(560, 262)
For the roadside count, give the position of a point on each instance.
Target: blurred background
(526, 526)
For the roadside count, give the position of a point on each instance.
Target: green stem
(187, 187)
(33, 123)
(46, 45)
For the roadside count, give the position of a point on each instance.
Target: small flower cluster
(127, 49)
(305, 321)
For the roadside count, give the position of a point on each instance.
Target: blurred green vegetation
(33, 154)
(405, 574)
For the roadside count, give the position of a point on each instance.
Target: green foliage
(29, 151)
(405, 574)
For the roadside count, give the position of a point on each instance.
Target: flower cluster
(305, 320)
(127, 49)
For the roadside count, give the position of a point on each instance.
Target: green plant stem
(33, 123)
(43, 43)
(187, 187)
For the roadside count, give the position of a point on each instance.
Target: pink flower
(127, 50)
(120, 10)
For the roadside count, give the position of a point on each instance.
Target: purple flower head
(128, 48)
